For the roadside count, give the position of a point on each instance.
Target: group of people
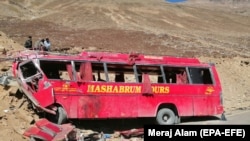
(41, 44)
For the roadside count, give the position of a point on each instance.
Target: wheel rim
(165, 117)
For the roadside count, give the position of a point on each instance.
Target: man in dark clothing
(28, 43)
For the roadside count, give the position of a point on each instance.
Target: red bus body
(143, 90)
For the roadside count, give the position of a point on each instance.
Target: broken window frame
(59, 67)
(123, 71)
(32, 80)
(173, 71)
(151, 70)
(204, 81)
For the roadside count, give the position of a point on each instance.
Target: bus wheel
(61, 116)
(165, 116)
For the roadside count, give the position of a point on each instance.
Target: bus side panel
(98, 100)
(208, 101)
(214, 103)
(148, 106)
(189, 100)
(67, 94)
(45, 97)
(119, 106)
(207, 105)
(204, 99)
(88, 106)
(170, 95)
(218, 89)
(77, 104)
(106, 106)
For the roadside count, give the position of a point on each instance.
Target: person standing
(39, 45)
(47, 44)
(28, 43)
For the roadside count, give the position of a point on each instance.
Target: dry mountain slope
(180, 27)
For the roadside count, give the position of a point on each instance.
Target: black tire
(165, 116)
(61, 116)
(37, 139)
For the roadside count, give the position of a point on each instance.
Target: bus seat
(86, 72)
(181, 78)
(146, 86)
(70, 72)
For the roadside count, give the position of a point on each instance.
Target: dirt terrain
(214, 31)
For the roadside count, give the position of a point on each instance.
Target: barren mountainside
(186, 28)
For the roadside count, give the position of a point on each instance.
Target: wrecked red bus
(101, 85)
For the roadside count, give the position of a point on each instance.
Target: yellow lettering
(90, 88)
(122, 89)
(131, 89)
(127, 88)
(137, 89)
(154, 89)
(103, 88)
(162, 90)
(109, 89)
(115, 89)
(97, 89)
(167, 90)
(118, 89)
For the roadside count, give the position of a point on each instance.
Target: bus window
(31, 75)
(56, 69)
(88, 71)
(28, 70)
(154, 73)
(175, 75)
(98, 72)
(200, 76)
(121, 73)
(83, 71)
(64, 75)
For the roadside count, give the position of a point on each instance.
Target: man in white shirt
(47, 44)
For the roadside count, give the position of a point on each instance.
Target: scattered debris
(45, 130)
(48, 131)
(132, 133)
(6, 79)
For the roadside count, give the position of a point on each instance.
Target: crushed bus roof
(110, 57)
